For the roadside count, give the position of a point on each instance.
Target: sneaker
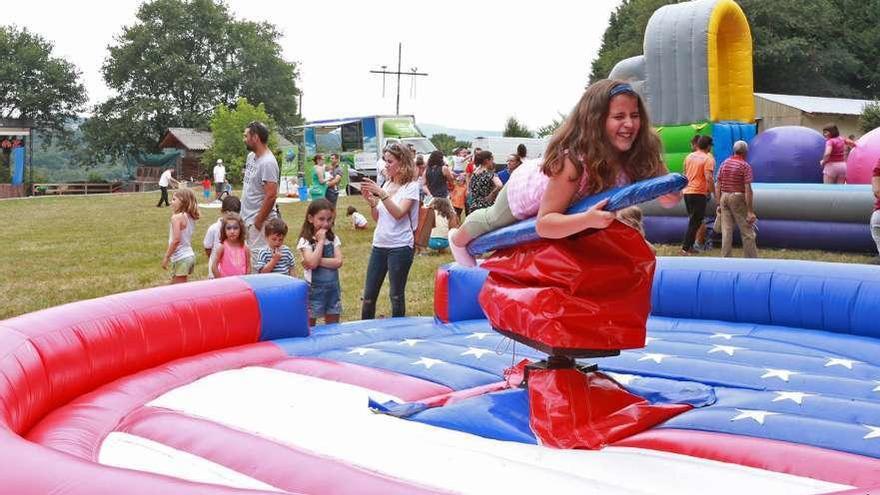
(689, 252)
(460, 253)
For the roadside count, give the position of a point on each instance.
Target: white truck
(503, 146)
(359, 140)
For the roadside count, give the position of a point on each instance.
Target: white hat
(219, 162)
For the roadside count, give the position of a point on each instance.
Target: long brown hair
(443, 207)
(583, 134)
(308, 230)
(407, 168)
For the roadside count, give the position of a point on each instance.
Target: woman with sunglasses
(395, 208)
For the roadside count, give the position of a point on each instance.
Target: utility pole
(385, 72)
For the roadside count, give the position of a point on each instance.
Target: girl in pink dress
(233, 256)
(606, 141)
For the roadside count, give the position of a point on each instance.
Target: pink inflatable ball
(862, 158)
(789, 154)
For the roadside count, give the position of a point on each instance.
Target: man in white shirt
(164, 181)
(219, 179)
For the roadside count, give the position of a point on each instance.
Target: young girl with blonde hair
(180, 254)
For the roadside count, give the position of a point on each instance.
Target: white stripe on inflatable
(133, 452)
(332, 419)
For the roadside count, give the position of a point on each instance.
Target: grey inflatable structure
(795, 216)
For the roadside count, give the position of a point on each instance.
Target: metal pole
(399, 53)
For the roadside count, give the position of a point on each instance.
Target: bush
(870, 118)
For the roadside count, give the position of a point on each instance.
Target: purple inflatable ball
(863, 158)
(788, 154)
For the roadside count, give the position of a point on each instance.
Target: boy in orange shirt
(699, 167)
(459, 195)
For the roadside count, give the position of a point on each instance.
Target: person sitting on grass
(444, 218)
(180, 254)
(230, 204)
(232, 255)
(358, 221)
(321, 254)
(276, 257)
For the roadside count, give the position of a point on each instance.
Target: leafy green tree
(179, 61)
(447, 143)
(227, 128)
(34, 84)
(550, 128)
(870, 117)
(514, 128)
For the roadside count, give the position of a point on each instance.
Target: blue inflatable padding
(464, 287)
(411, 362)
(505, 415)
(846, 437)
(500, 416)
(788, 234)
(834, 297)
(283, 305)
(364, 332)
(618, 198)
(17, 158)
(724, 134)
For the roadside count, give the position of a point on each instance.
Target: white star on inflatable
(653, 356)
(758, 416)
(427, 362)
(361, 350)
(725, 336)
(783, 375)
(727, 349)
(875, 432)
(476, 352)
(478, 335)
(410, 342)
(622, 379)
(797, 397)
(877, 388)
(846, 363)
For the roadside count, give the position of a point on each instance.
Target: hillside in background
(460, 134)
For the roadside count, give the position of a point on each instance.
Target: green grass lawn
(57, 250)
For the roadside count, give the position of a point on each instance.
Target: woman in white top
(395, 208)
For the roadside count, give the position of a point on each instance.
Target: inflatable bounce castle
(696, 75)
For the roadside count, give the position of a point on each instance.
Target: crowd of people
(417, 202)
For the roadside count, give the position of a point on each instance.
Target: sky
(486, 60)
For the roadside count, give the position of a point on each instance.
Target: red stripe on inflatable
(771, 455)
(31, 469)
(281, 466)
(58, 354)
(406, 387)
(441, 295)
(460, 395)
(80, 427)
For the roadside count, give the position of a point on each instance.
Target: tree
(514, 129)
(180, 60)
(35, 85)
(448, 143)
(550, 128)
(870, 117)
(227, 126)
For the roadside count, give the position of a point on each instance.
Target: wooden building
(193, 143)
(808, 111)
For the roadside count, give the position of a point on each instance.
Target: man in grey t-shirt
(260, 184)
